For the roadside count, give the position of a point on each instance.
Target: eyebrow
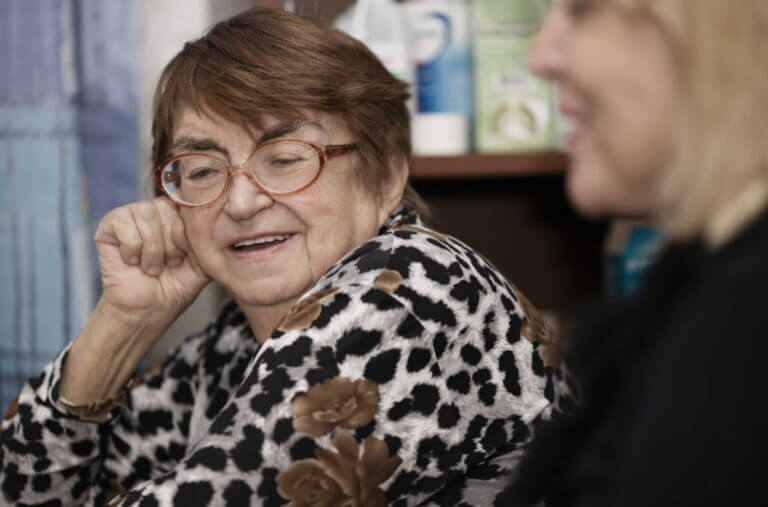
(189, 143)
(285, 128)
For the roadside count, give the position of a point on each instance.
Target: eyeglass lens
(279, 167)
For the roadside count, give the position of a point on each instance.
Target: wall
(165, 27)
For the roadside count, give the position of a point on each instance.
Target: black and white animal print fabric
(409, 374)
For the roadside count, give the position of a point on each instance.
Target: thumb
(180, 239)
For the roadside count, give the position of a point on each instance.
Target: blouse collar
(403, 215)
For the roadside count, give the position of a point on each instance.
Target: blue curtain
(68, 153)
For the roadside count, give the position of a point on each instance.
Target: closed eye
(286, 161)
(202, 173)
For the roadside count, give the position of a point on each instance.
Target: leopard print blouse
(408, 375)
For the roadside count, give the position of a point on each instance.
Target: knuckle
(129, 237)
(111, 218)
(153, 249)
(122, 214)
(132, 244)
(145, 210)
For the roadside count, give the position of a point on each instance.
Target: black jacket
(674, 390)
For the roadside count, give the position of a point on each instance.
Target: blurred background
(76, 85)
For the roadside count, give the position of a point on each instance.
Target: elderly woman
(365, 359)
(669, 99)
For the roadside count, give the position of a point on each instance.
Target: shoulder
(422, 289)
(415, 257)
(725, 297)
(445, 285)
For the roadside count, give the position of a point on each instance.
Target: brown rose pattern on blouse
(536, 330)
(303, 313)
(335, 402)
(342, 478)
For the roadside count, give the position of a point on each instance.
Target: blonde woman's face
(617, 81)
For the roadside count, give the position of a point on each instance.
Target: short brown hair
(270, 62)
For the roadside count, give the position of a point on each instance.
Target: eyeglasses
(280, 167)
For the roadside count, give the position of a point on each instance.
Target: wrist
(106, 354)
(133, 322)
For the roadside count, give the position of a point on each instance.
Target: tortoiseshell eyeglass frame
(324, 153)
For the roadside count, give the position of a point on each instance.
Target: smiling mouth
(262, 243)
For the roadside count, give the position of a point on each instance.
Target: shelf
(475, 165)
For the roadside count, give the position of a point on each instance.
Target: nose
(547, 54)
(244, 198)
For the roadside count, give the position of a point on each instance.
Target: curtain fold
(49, 168)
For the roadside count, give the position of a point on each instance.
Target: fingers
(147, 221)
(180, 239)
(118, 228)
(169, 213)
(143, 233)
(179, 236)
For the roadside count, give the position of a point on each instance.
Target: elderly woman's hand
(148, 270)
(149, 274)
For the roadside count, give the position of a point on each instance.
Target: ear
(392, 187)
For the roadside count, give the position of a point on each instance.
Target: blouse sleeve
(362, 395)
(53, 451)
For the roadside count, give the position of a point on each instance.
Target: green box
(489, 14)
(514, 110)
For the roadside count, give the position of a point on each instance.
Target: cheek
(635, 115)
(199, 228)
(316, 215)
(599, 184)
(631, 140)
(337, 225)
(589, 182)
(332, 209)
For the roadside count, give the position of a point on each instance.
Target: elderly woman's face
(305, 232)
(618, 83)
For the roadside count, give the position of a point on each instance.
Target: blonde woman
(669, 102)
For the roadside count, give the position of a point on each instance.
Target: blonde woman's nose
(547, 54)
(244, 197)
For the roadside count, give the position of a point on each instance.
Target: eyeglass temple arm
(332, 150)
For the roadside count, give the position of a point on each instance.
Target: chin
(584, 195)
(593, 201)
(265, 292)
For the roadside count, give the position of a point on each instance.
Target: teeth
(262, 240)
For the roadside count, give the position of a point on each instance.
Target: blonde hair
(717, 176)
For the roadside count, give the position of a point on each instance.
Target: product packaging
(439, 37)
(381, 25)
(514, 109)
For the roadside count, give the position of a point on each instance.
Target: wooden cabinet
(474, 165)
(512, 208)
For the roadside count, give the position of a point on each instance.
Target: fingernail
(154, 270)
